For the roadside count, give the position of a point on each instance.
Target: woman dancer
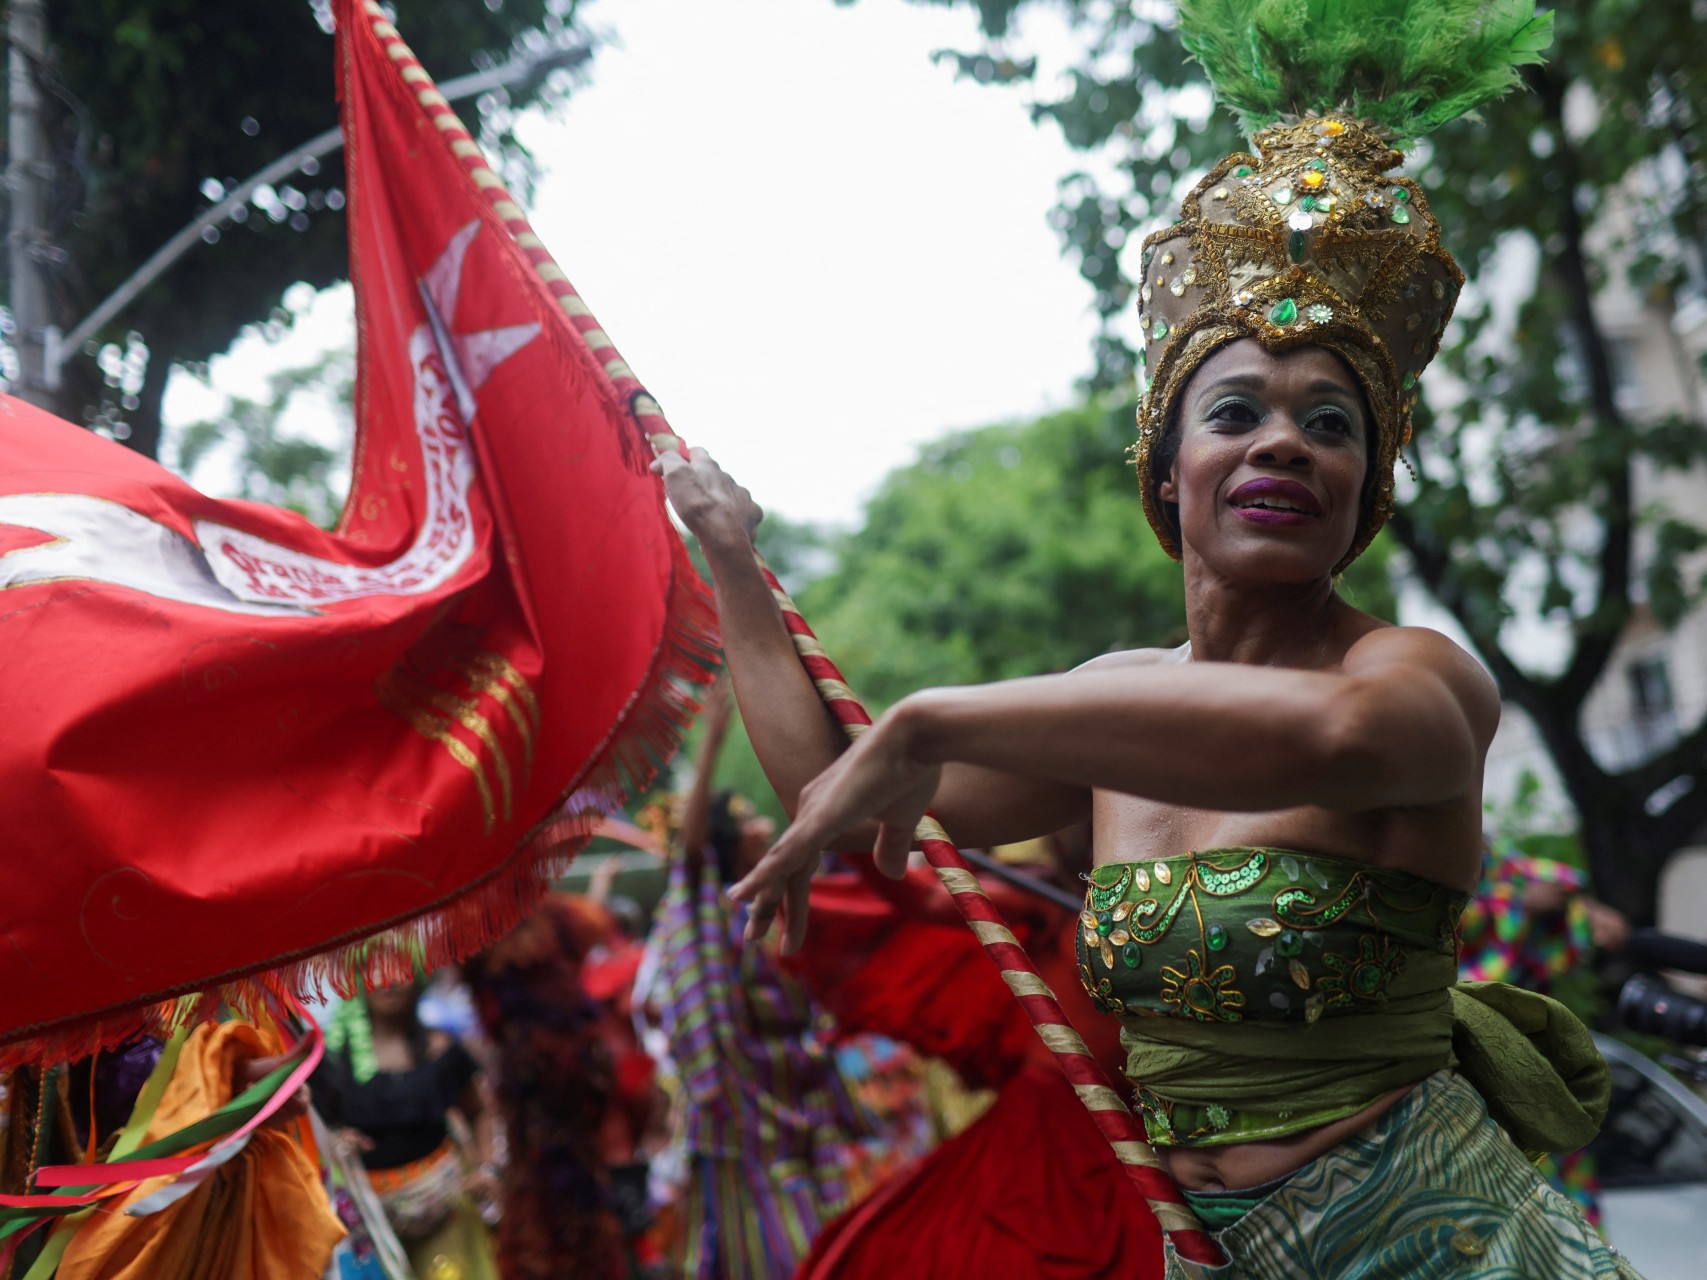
(1286, 809)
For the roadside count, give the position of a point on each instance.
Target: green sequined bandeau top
(1244, 979)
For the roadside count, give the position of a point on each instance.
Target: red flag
(234, 743)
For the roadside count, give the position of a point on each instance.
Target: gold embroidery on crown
(1310, 242)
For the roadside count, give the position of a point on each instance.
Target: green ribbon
(233, 1115)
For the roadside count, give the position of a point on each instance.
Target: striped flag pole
(1116, 1122)
(1191, 1242)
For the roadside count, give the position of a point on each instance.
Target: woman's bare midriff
(1250, 1164)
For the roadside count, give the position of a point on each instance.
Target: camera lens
(1647, 1004)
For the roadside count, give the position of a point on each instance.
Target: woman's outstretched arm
(1404, 722)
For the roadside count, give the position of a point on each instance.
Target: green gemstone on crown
(1131, 955)
(1400, 214)
(1217, 937)
(1243, 171)
(1159, 330)
(1283, 196)
(1318, 164)
(1297, 246)
(1410, 380)
(1401, 195)
(1283, 312)
(1307, 204)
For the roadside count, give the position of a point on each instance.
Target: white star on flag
(469, 357)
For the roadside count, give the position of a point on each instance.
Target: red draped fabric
(1030, 1189)
(894, 958)
(233, 741)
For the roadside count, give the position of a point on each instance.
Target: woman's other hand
(877, 778)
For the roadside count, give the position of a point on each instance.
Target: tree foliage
(1005, 551)
(1597, 176)
(270, 460)
(166, 104)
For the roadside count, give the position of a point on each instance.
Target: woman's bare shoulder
(1397, 647)
(1392, 643)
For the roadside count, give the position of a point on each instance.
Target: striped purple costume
(766, 1113)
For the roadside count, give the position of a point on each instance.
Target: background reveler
(393, 1090)
(764, 1112)
(262, 1214)
(557, 1090)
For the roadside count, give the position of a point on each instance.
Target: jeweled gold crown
(1312, 241)
(1309, 242)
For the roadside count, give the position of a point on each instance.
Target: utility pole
(27, 176)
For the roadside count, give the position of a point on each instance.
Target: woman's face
(1272, 455)
(396, 1001)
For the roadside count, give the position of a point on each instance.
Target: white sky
(815, 246)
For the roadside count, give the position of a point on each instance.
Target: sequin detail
(1320, 936)
(1108, 885)
(1198, 992)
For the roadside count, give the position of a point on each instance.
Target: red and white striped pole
(1117, 1123)
(1193, 1244)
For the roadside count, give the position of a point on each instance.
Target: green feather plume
(1407, 66)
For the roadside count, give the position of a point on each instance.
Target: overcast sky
(815, 246)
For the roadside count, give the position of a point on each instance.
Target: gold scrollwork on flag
(456, 717)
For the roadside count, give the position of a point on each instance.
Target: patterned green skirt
(1433, 1189)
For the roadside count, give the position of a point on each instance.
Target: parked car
(1652, 1160)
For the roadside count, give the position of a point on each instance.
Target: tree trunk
(28, 168)
(1627, 847)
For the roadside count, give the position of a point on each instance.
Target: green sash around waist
(1263, 991)
(1526, 1054)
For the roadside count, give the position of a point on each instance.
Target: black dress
(401, 1112)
